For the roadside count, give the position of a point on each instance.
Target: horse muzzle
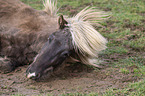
(37, 75)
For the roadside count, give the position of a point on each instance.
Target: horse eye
(65, 54)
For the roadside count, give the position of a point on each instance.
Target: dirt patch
(73, 79)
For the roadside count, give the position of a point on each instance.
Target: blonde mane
(85, 38)
(50, 7)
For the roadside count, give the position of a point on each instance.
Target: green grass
(130, 61)
(116, 49)
(124, 70)
(36, 4)
(133, 89)
(125, 33)
(136, 64)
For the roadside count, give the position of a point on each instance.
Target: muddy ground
(72, 79)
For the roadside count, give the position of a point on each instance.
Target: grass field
(125, 31)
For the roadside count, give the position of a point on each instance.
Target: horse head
(53, 53)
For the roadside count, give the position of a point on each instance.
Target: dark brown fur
(23, 31)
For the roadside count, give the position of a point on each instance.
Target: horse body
(23, 31)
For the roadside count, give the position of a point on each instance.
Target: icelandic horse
(45, 40)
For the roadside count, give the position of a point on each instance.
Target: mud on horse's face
(53, 53)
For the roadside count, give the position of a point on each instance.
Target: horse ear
(62, 23)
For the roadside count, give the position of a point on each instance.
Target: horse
(45, 40)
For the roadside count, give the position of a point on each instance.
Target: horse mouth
(35, 76)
